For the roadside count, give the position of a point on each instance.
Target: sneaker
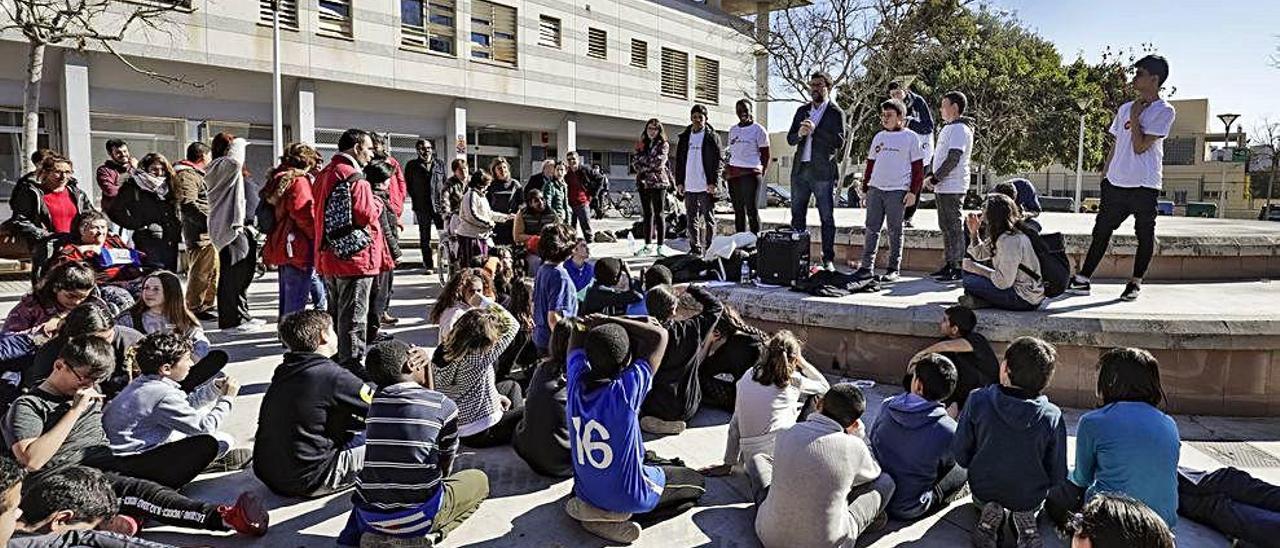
(644, 250)
(207, 315)
(654, 425)
(1131, 292)
(989, 521)
(625, 532)
(257, 321)
(829, 266)
(584, 512)
(375, 540)
(383, 336)
(944, 271)
(906, 223)
(661, 251)
(120, 524)
(249, 327)
(881, 520)
(246, 516)
(235, 459)
(1077, 287)
(1028, 530)
(955, 275)
(863, 273)
(388, 319)
(889, 276)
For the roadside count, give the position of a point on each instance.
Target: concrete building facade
(522, 79)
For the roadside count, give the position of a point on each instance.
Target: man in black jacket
(818, 133)
(424, 177)
(310, 439)
(698, 163)
(676, 394)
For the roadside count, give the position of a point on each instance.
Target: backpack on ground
(1055, 266)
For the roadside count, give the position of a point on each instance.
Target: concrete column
(302, 112)
(73, 100)
(522, 170)
(567, 135)
(762, 64)
(455, 133)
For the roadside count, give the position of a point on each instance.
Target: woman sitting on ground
(488, 410)
(519, 358)
(109, 256)
(500, 265)
(542, 437)
(733, 349)
(768, 401)
(64, 287)
(1002, 269)
(162, 308)
(467, 289)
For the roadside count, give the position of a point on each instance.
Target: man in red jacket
(349, 255)
(397, 191)
(582, 185)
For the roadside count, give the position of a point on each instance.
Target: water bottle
(631, 243)
(746, 273)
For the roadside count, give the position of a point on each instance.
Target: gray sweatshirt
(153, 410)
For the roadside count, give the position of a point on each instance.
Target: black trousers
(148, 500)
(651, 217)
(684, 487)
(742, 192)
(173, 464)
(501, 433)
(234, 277)
(379, 302)
(205, 369)
(1118, 204)
(425, 220)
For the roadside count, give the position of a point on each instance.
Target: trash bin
(1202, 209)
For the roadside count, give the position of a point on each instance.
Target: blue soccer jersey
(605, 442)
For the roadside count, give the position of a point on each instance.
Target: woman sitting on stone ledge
(1001, 268)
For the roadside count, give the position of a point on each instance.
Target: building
(482, 78)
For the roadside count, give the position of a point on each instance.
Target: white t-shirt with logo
(954, 136)
(1129, 169)
(893, 152)
(745, 144)
(695, 178)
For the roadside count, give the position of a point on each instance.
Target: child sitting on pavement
(676, 392)
(976, 362)
(611, 294)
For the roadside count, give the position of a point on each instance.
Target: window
(639, 54)
(549, 32)
(706, 86)
(1180, 151)
(335, 18)
(428, 25)
(12, 163)
(675, 73)
(597, 43)
(288, 13)
(493, 32)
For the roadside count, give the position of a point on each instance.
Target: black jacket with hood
(676, 394)
(313, 409)
(1013, 444)
(712, 155)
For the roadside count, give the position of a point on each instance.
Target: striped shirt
(470, 380)
(411, 437)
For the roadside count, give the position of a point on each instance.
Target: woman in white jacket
(768, 401)
(476, 220)
(1001, 269)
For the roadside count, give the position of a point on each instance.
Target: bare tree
(79, 24)
(1266, 135)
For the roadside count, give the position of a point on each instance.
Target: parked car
(1164, 207)
(1272, 215)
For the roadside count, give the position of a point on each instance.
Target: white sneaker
(625, 532)
(585, 512)
(654, 425)
(257, 321)
(250, 327)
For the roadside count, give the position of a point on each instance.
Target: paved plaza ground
(526, 510)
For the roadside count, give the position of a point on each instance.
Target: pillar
(455, 133)
(762, 94)
(73, 99)
(302, 112)
(567, 135)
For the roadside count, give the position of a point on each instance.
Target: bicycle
(446, 254)
(625, 204)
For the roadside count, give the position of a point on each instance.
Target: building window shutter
(288, 13)
(427, 25)
(639, 53)
(675, 73)
(707, 84)
(549, 32)
(335, 18)
(493, 32)
(597, 43)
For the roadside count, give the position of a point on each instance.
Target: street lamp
(1083, 103)
(277, 116)
(1227, 120)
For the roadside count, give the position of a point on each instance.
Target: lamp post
(1227, 120)
(277, 116)
(1083, 103)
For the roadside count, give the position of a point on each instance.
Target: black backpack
(1055, 267)
(340, 233)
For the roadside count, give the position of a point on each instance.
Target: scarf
(150, 183)
(227, 201)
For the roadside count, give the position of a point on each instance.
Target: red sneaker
(247, 516)
(120, 524)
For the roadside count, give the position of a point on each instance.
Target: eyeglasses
(79, 377)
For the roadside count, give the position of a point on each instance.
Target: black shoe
(942, 272)
(1131, 292)
(955, 275)
(235, 459)
(207, 315)
(906, 223)
(888, 277)
(1076, 287)
(863, 273)
(383, 336)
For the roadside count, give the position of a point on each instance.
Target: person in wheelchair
(91, 242)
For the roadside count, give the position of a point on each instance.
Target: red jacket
(578, 193)
(294, 208)
(366, 210)
(398, 189)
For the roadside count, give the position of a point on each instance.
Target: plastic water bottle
(631, 243)
(746, 274)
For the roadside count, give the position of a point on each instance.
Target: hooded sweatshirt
(1014, 444)
(911, 440)
(313, 409)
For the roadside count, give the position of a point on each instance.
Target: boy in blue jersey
(608, 377)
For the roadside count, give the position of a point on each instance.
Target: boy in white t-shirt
(893, 179)
(748, 158)
(1132, 184)
(949, 181)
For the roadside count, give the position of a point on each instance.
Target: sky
(1216, 49)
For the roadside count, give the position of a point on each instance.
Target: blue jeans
(295, 288)
(319, 299)
(982, 288)
(804, 184)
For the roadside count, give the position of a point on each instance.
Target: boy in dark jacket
(1013, 442)
(676, 394)
(912, 437)
(310, 439)
(612, 293)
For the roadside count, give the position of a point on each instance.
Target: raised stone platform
(1187, 248)
(1218, 344)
